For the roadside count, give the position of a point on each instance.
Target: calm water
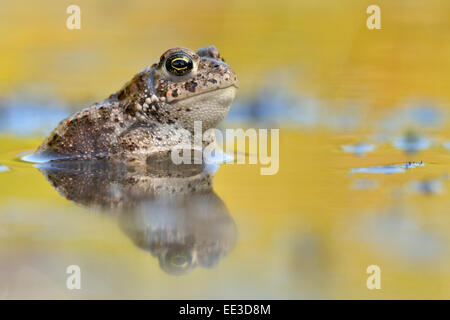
(364, 155)
(308, 232)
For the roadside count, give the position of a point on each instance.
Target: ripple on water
(39, 157)
(389, 169)
(213, 159)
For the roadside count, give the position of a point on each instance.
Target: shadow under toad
(169, 210)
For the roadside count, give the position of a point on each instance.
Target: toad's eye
(179, 64)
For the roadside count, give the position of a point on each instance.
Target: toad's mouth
(172, 100)
(216, 96)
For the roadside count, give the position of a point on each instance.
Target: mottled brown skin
(150, 114)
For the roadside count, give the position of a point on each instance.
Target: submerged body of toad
(152, 113)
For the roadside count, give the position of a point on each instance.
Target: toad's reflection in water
(169, 210)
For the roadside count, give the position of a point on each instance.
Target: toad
(153, 112)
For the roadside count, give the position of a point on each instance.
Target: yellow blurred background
(324, 45)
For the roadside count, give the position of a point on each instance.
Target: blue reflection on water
(359, 149)
(389, 169)
(24, 118)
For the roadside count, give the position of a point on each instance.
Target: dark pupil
(179, 64)
(179, 260)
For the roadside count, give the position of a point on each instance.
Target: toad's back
(91, 131)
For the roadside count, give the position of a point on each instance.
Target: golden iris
(179, 64)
